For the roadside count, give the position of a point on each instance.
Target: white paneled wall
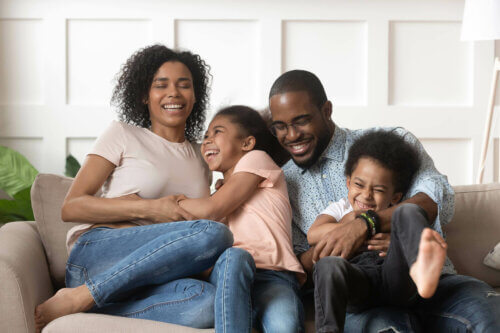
(383, 62)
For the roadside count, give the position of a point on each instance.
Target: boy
(379, 170)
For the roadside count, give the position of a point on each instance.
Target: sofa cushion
(47, 195)
(474, 230)
(90, 323)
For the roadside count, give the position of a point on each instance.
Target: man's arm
(420, 199)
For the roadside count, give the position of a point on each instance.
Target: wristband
(370, 225)
(375, 218)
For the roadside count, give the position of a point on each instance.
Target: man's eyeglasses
(280, 129)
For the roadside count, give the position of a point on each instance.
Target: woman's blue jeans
(142, 272)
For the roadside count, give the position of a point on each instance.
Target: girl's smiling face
(371, 186)
(224, 145)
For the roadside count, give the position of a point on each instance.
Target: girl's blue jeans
(245, 296)
(143, 272)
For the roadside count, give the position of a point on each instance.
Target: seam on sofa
(40, 230)
(10, 269)
(478, 190)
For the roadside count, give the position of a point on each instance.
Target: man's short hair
(300, 80)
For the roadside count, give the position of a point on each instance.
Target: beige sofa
(33, 256)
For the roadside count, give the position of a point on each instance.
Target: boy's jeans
(142, 272)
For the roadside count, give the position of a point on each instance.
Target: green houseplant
(16, 177)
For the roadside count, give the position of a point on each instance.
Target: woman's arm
(80, 204)
(239, 187)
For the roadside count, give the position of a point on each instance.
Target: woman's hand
(167, 209)
(379, 242)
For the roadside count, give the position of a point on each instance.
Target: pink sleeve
(261, 164)
(111, 143)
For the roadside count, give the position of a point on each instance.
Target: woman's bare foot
(66, 301)
(426, 270)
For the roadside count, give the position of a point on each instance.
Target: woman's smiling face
(171, 96)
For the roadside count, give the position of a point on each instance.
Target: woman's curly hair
(135, 79)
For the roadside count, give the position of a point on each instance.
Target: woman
(124, 259)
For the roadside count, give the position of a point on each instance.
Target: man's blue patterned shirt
(312, 189)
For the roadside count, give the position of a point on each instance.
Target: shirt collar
(336, 148)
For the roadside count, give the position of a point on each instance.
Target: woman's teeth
(172, 106)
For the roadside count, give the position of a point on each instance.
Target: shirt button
(330, 202)
(324, 176)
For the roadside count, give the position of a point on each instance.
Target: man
(301, 121)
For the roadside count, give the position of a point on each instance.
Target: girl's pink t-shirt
(263, 224)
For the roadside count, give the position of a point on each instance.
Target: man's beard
(323, 141)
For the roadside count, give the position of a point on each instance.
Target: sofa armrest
(24, 276)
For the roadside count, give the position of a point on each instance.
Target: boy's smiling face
(371, 186)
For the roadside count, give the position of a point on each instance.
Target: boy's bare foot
(426, 270)
(66, 301)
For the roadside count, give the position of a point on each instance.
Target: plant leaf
(72, 166)
(14, 210)
(23, 201)
(16, 173)
(11, 218)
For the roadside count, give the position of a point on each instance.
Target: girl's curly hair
(135, 79)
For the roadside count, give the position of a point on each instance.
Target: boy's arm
(228, 198)
(322, 225)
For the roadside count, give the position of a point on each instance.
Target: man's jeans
(245, 294)
(141, 272)
(461, 304)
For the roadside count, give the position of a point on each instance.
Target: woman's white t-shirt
(147, 165)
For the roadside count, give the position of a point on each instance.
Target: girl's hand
(167, 209)
(379, 242)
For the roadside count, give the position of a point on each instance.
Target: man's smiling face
(300, 126)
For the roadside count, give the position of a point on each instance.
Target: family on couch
(150, 248)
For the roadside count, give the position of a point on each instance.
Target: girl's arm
(239, 188)
(80, 204)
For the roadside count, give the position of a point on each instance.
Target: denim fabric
(233, 276)
(277, 306)
(461, 304)
(141, 271)
(246, 295)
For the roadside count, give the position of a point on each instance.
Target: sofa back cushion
(47, 195)
(475, 230)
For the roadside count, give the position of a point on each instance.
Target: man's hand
(343, 241)
(379, 242)
(167, 209)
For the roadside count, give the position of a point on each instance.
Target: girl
(254, 202)
(123, 260)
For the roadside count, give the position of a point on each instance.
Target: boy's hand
(379, 242)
